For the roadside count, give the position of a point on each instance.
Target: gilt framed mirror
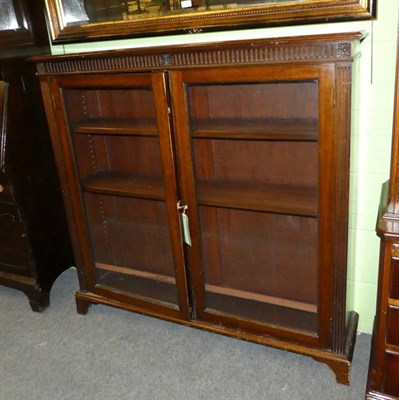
(82, 20)
(15, 27)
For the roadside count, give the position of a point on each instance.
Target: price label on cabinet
(186, 229)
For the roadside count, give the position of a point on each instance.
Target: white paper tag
(186, 229)
(186, 3)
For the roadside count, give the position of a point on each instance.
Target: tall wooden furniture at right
(383, 379)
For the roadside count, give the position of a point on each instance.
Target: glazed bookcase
(208, 185)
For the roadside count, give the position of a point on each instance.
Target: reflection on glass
(8, 19)
(76, 11)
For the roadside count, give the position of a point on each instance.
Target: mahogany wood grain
(241, 294)
(253, 161)
(249, 242)
(393, 326)
(114, 154)
(256, 150)
(116, 126)
(257, 309)
(391, 368)
(211, 288)
(285, 101)
(394, 285)
(297, 200)
(250, 129)
(173, 199)
(135, 272)
(127, 231)
(124, 184)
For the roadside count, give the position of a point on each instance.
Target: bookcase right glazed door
(255, 151)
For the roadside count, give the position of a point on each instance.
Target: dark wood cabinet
(383, 376)
(208, 185)
(34, 240)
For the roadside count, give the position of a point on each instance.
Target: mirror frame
(286, 13)
(22, 35)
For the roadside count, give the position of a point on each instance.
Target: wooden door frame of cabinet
(321, 73)
(339, 49)
(161, 101)
(72, 192)
(392, 211)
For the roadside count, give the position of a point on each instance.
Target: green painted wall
(371, 136)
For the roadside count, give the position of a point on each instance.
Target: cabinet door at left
(115, 141)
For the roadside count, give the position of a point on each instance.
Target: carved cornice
(284, 50)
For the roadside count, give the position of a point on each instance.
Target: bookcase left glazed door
(119, 168)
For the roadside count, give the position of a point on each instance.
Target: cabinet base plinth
(338, 363)
(39, 299)
(82, 305)
(373, 395)
(341, 366)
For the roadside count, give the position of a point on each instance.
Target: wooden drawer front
(394, 289)
(15, 254)
(393, 326)
(391, 374)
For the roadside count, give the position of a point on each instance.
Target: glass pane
(132, 246)
(393, 326)
(390, 385)
(256, 171)
(116, 144)
(76, 11)
(253, 262)
(8, 18)
(394, 289)
(275, 110)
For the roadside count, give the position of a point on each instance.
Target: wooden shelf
(297, 305)
(393, 302)
(116, 126)
(259, 129)
(123, 184)
(259, 197)
(135, 272)
(264, 312)
(151, 286)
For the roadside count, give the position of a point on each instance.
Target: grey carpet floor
(114, 354)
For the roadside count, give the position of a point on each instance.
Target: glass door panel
(118, 158)
(394, 289)
(253, 262)
(131, 245)
(255, 155)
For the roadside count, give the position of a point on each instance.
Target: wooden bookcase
(383, 376)
(249, 140)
